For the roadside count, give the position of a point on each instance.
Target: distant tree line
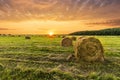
(110, 31)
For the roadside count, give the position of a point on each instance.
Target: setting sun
(51, 33)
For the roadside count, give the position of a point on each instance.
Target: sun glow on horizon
(46, 27)
(51, 33)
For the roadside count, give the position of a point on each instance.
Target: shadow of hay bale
(71, 57)
(74, 38)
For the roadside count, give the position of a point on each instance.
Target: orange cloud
(113, 22)
(4, 29)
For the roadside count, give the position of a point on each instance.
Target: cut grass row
(43, 58)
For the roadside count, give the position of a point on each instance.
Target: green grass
(42, 58)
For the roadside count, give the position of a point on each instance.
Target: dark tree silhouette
(110, 31)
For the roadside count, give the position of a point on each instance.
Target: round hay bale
(73, 38)
(19, 35)
(89, 49)
(4, 35)
(27, 37)
(66, 42)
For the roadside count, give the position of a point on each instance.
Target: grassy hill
(110, 31)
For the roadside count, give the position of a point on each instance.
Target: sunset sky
(58, 16)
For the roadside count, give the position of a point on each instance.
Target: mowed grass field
(42, 58)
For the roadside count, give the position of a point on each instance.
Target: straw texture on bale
(81, 37)
(89, 49)
(27, 37)
(66, 42)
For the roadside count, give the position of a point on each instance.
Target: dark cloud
(58, 9)
(114, 22)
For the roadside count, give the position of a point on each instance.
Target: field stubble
(43, 58)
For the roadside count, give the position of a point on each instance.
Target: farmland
(42, 58)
